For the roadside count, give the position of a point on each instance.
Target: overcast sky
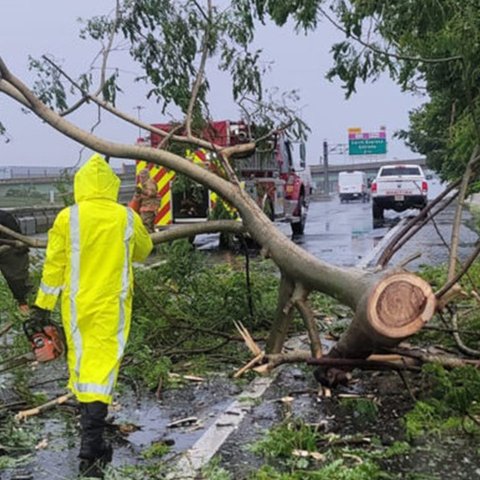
(299, 62)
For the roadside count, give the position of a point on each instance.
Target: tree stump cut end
(400, 305)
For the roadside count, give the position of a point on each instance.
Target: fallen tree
(389, 304)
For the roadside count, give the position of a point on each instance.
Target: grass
(362, 409)
(323, 458)
(449, 403)
(156, 450)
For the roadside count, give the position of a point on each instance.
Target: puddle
(58, 431)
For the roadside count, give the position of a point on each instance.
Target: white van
(353, 186)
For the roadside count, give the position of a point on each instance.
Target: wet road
(343, 233)
(338, 233)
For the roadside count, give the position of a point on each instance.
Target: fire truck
(275, 176)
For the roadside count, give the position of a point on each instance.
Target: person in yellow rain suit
(91, 247)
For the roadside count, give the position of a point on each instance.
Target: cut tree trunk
(392, 309)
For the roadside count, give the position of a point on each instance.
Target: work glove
(38, 318)
(44, 336)
(24, 309)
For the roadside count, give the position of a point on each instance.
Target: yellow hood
(96, 179)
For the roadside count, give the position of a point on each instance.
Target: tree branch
(300, 296)
(31, 242)
(390, 249)
(201, 70)
(382, 52)
(175, 232)
(453, 280)
(105, 54)
(455, 238)
(132, 120)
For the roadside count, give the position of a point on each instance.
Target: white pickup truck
(398, 187)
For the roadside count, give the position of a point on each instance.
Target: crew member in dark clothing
(14, 262)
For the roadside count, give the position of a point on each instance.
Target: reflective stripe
(125, 284)
(94, 388)
(48, 290)
(74, 284)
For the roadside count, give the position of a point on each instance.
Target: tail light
(373, 187)
(290, 186)
(424, 187)
(291, 179)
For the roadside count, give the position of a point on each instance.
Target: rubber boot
(95, 453)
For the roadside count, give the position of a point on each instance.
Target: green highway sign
(367, 146)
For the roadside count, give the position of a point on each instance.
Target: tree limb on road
(389, 305)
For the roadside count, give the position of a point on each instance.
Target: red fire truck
(276, 177)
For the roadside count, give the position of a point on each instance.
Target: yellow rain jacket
(91, 246)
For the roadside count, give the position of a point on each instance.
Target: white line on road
(203, 450)
(363, 263)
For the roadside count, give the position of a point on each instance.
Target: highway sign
(360, 143)
(368, 146)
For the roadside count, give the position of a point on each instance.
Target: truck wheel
(377, 212)
(299, 227)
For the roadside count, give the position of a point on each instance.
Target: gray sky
(299, 62)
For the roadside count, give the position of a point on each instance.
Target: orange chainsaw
(46, 339)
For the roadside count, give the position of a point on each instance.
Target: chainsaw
(47, 343)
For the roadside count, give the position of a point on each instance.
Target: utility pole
(139, 108)
(335, 149)
(326, 183)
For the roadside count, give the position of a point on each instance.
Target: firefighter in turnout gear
(146, 200)
(90, 251)
(14, 263)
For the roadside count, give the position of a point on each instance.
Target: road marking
(363, 263)
(226, 422)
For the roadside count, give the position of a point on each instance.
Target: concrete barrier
(34, 220)
(41, 222)
(27, 225)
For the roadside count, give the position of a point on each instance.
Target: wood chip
(127, 428)
(319, 457)
(183, 422)
(191, 378)
(41, 444)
